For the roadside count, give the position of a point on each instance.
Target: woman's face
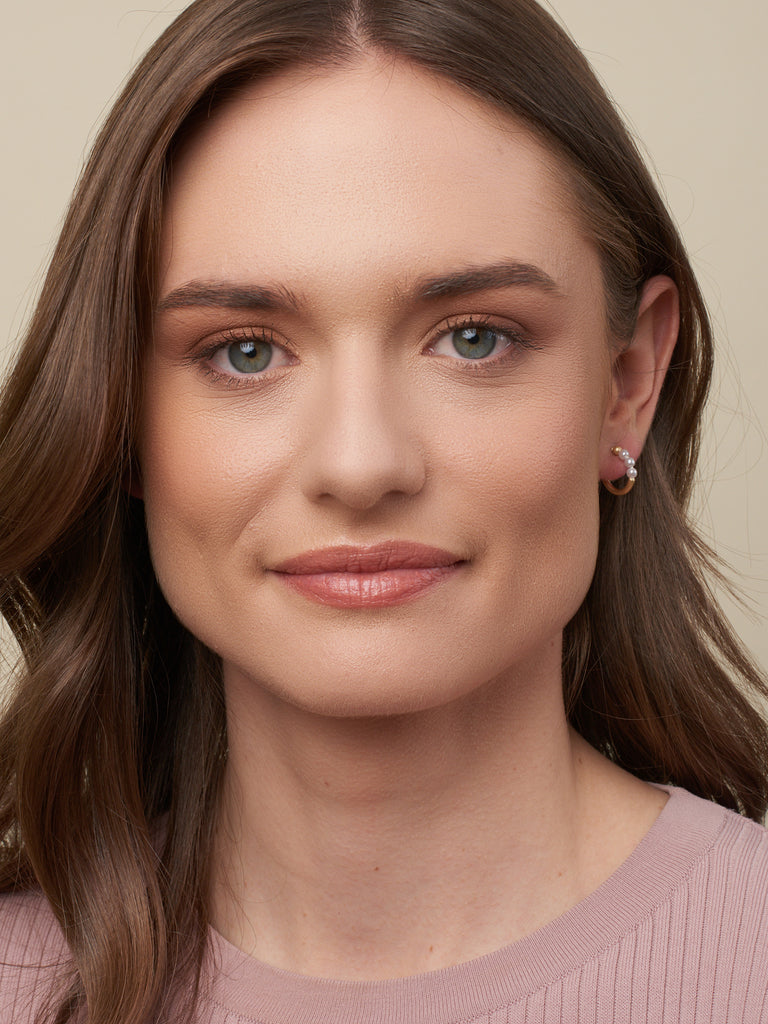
(380, 325)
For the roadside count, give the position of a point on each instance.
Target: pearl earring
(631, 471)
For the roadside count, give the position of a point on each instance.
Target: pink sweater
(677, 935)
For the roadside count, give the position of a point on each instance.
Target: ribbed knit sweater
(677, 935)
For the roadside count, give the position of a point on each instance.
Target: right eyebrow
(228, 296)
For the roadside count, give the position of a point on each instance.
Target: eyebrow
(225, 295)
(228, 296)
(478, 279)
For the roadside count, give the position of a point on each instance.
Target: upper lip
(394, 554)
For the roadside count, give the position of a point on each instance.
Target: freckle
(375, 869)
(431, 949)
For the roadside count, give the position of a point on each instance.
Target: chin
(350, 696)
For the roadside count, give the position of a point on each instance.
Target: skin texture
(403, 790)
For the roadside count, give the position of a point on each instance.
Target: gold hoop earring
(631, 472)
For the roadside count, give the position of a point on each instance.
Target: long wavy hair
(113, 739)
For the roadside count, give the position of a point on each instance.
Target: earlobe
(638, 374)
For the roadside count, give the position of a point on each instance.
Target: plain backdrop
(691, 79)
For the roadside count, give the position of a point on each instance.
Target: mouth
(350, 576)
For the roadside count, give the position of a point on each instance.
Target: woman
(349, 691)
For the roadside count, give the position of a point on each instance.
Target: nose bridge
(362, 435)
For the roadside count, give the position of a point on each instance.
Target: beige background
(690, 76)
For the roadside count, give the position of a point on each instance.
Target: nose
(363, 447)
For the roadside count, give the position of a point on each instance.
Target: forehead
(379, 170)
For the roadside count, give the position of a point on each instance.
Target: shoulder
(736, 859)
(727, 854)
(34, 958)
(716, 917)
(29, 931)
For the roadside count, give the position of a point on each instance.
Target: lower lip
(367, 589)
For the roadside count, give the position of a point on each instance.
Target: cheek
(536, 481)
(203, 457)
(203, 480)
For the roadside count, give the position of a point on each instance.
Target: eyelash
(517, 341)
(236, 336)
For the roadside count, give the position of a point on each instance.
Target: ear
(638, 373)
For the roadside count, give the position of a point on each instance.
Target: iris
(474, 342)
(250, 356)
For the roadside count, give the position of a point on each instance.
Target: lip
(351, 576)
(397, 554)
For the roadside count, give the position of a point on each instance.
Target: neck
(387, 846)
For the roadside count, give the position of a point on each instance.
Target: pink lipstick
(348, 576)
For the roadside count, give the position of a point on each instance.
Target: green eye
(250, 356)
(474, 342)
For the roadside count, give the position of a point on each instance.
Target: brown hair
(112, 746)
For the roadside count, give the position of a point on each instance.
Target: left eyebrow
(477, 279)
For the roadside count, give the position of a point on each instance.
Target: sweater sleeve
(34, 959)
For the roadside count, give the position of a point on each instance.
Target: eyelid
(208, 349)
(517, 338)
(206, 354)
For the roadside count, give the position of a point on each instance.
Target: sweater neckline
(684, 831)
